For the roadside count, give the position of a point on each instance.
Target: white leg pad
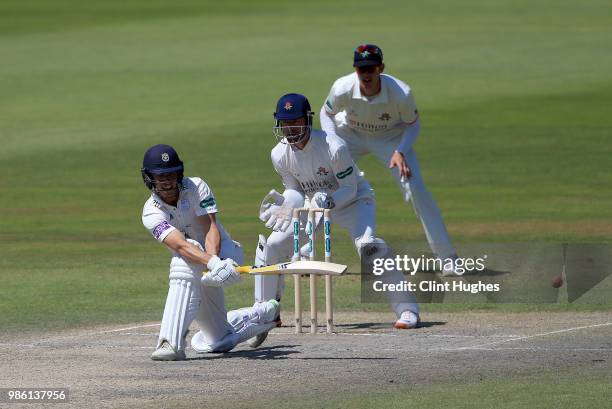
(400, 301)
(277, 248)
(182, 305)
(252, 321)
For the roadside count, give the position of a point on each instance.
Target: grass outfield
(513, 97)
(569, 389)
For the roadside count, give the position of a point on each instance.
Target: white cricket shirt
(386, 114)
(325, 165)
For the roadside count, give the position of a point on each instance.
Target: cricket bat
(297, 267)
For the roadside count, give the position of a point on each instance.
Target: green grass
(567, 389)
(514, 144)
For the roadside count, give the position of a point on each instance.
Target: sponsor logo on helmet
(385, 116)
(322, 171)
(288, 106)
(165, 157)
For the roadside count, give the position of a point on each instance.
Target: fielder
(181, 214)
(376, 113)
(317, 169)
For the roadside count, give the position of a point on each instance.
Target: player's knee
(278, 241)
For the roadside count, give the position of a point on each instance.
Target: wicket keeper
(317, 171)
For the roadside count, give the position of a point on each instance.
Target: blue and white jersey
(195, 199)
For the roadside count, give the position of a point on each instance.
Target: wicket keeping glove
(275, 211)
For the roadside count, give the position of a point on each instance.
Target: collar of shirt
(381, 98)
(167, 205)
(307, 147)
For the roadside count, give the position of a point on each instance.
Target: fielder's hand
(322, 200)
(275, 212)
(398, 161)
(222, 273)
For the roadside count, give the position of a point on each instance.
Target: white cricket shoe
(166, 353)
(407, 320)
(267, 310)
(257, 340)
(450, 269)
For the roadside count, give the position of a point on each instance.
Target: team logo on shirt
(288, 106)
(160, 229)
(322, 171)
(165, 157)
(385, 116)
(345, 173)
(207, 202)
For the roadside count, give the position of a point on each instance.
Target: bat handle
(244, 269)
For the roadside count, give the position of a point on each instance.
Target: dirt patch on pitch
(110, 367)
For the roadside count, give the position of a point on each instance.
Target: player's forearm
(212, 243)
(409, 137)
(327, 121)
(177, 243)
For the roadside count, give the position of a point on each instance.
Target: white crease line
(469, 336)
(89, 346)
(6, 344)
(335, 333)
(531, 336)
(126, 329)
(543, 349)
(85, 334)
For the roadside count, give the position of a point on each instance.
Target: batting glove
(222, 273)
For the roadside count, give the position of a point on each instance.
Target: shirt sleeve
(327, 121)
(333, 103)
(407, 108)
(156, 222)
(206, 203)
(346, 174)
(409, 137)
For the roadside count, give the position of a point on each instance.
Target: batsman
(182, 214)
(317, 171)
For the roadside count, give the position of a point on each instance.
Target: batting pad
(182, 305)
